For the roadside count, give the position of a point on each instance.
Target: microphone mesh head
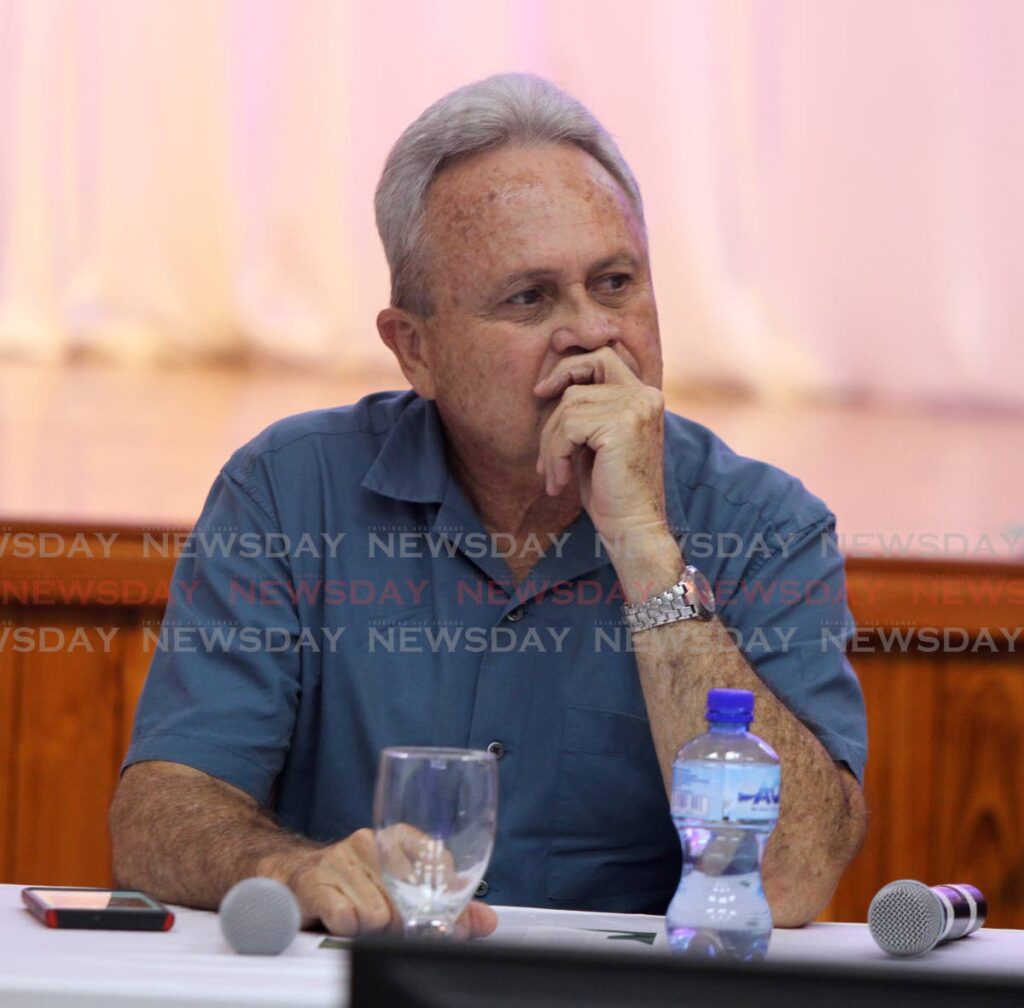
(906, 918)
(259, 916)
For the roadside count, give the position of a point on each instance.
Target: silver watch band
(680, 602)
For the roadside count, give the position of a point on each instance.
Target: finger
(376, 911)
(572, 426)
(598, 367)
(366, 891)
(349, 907)
(414, 855)
(423, 849)
(561, 472)
(364, 845)
(477, 921)
(566, 376)
(345, 872)
(321, 900)
(482, 919)
(558, 464)
(548, 432)
(591, 415)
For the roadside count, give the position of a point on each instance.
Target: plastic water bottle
(725, 803)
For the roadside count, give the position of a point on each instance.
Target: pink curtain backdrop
(834, 187)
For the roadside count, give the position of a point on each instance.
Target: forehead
(516, 203)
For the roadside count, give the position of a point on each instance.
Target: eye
(527, 298)
(614, 282)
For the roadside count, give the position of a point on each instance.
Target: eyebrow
(537, 275)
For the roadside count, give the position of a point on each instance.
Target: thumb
(477, 921)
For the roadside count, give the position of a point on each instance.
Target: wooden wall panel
(9, 681)
(944, 779)
(66, 754)
(936, 593)
(978, 786)
(900, 693)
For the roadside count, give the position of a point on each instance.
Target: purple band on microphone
(966, 909)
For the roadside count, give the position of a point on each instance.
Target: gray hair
(506, 108)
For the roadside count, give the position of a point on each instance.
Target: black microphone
(908, 918)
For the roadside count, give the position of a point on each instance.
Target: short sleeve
(789, 616)
(223, 684)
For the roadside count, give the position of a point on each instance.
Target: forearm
(821, 821)
(821, 817)
(187, 838)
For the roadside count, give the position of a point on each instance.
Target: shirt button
(516, 615)
(481, 890)
(497, 748)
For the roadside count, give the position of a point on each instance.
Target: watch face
(704, 592)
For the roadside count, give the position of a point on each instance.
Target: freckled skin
(550, 207)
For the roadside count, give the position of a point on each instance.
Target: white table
(193, 965)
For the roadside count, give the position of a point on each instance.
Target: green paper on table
(332, 942)
(646, 937)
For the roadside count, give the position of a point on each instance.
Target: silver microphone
(908, 918)
(259, 916)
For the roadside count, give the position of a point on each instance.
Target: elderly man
(473, 563)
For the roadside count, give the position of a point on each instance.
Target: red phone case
(157, 918)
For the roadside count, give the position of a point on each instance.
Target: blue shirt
(339, 594)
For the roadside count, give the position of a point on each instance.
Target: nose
(586, 326)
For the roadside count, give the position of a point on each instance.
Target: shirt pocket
(614, 847)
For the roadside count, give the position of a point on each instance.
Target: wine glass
(434, 813)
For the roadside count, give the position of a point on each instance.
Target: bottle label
(745, 792)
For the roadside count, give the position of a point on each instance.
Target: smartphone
(107, 909)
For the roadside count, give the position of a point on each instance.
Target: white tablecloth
(193, 965)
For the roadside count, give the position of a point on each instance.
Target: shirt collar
(411, 464)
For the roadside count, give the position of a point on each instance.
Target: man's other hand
(341, 887)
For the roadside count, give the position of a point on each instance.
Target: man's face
(535, 254)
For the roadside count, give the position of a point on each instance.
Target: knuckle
(655, 397)
(375, 914)
(362, 845)
(339, 917)
(575, 427)
(344, 865)
(308, 904)
(306, 882)
(335, 854)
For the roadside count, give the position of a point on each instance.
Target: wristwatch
(690, 598)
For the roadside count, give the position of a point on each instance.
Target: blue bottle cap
(736, 705)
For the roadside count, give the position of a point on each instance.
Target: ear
(405, 336)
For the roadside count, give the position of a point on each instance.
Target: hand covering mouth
(581, 375)
(582, 370)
